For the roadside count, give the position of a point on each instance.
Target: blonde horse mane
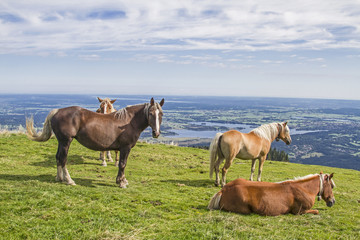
(309, 176)
(300, 178)
(267, 131)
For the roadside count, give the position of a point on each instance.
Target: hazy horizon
(119, 96)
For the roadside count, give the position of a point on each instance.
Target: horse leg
(252, 169)
(59, 176)
(120, 179)
(116, 158)
(315, 212)
(108, 154)
(61, 159)
(217, 170)
(261, 164)
(102, 158)
(224, 170)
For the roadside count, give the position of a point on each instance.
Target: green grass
(168, 193)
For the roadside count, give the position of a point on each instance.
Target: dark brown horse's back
(93, 130)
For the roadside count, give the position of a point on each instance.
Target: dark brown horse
(119, 130)
(272, 199)
(106, 106)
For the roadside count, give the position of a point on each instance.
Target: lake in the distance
(245, 128)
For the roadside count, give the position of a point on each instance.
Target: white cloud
(48, 26)
(90, 57)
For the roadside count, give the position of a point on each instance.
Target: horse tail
(214, 152)
(215, 201)
(46, 132)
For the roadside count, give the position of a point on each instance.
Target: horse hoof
(122, 185)
(58, 179)
(71, 183)
(104, 164)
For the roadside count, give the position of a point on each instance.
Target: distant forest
(276, 155)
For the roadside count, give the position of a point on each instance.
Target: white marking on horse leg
(104, 164)
(123, 183)
(108, 154)
(67, 177)
(157, 121)
(102, 158)
(59, 176)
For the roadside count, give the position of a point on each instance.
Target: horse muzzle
(155, 134)
(330, 203)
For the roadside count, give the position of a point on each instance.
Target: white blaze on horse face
(157, 121)
(105, 110)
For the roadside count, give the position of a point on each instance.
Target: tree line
(277, 155)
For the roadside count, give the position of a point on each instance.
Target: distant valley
(324, 132)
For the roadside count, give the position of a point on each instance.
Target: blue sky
(307, 49)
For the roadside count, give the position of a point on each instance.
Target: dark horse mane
(124, 113)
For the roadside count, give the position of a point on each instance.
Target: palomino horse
(272, 199)
(106, 106)
(119, 130)
(254, 145)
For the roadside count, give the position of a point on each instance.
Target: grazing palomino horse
(253, 145)
(272, 199)
(119, 130)
(106, 106)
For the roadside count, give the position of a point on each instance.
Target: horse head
(326, 192)
(284, 133)
(155, 114)
(106, 105)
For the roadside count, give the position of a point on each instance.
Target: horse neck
(267, 132)
(311, 184)
(140, 119)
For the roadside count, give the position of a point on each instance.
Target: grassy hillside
(167, 197)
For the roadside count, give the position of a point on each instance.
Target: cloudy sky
(190, 47)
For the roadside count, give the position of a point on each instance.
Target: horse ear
(162, 102)
(285, 123)
(152, 102)
(321, 172)
(112, 101)
(331, 175)
(100, 100)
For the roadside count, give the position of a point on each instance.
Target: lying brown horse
(119, 130)
(254, 145)
(106, 106)
(272, 199)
